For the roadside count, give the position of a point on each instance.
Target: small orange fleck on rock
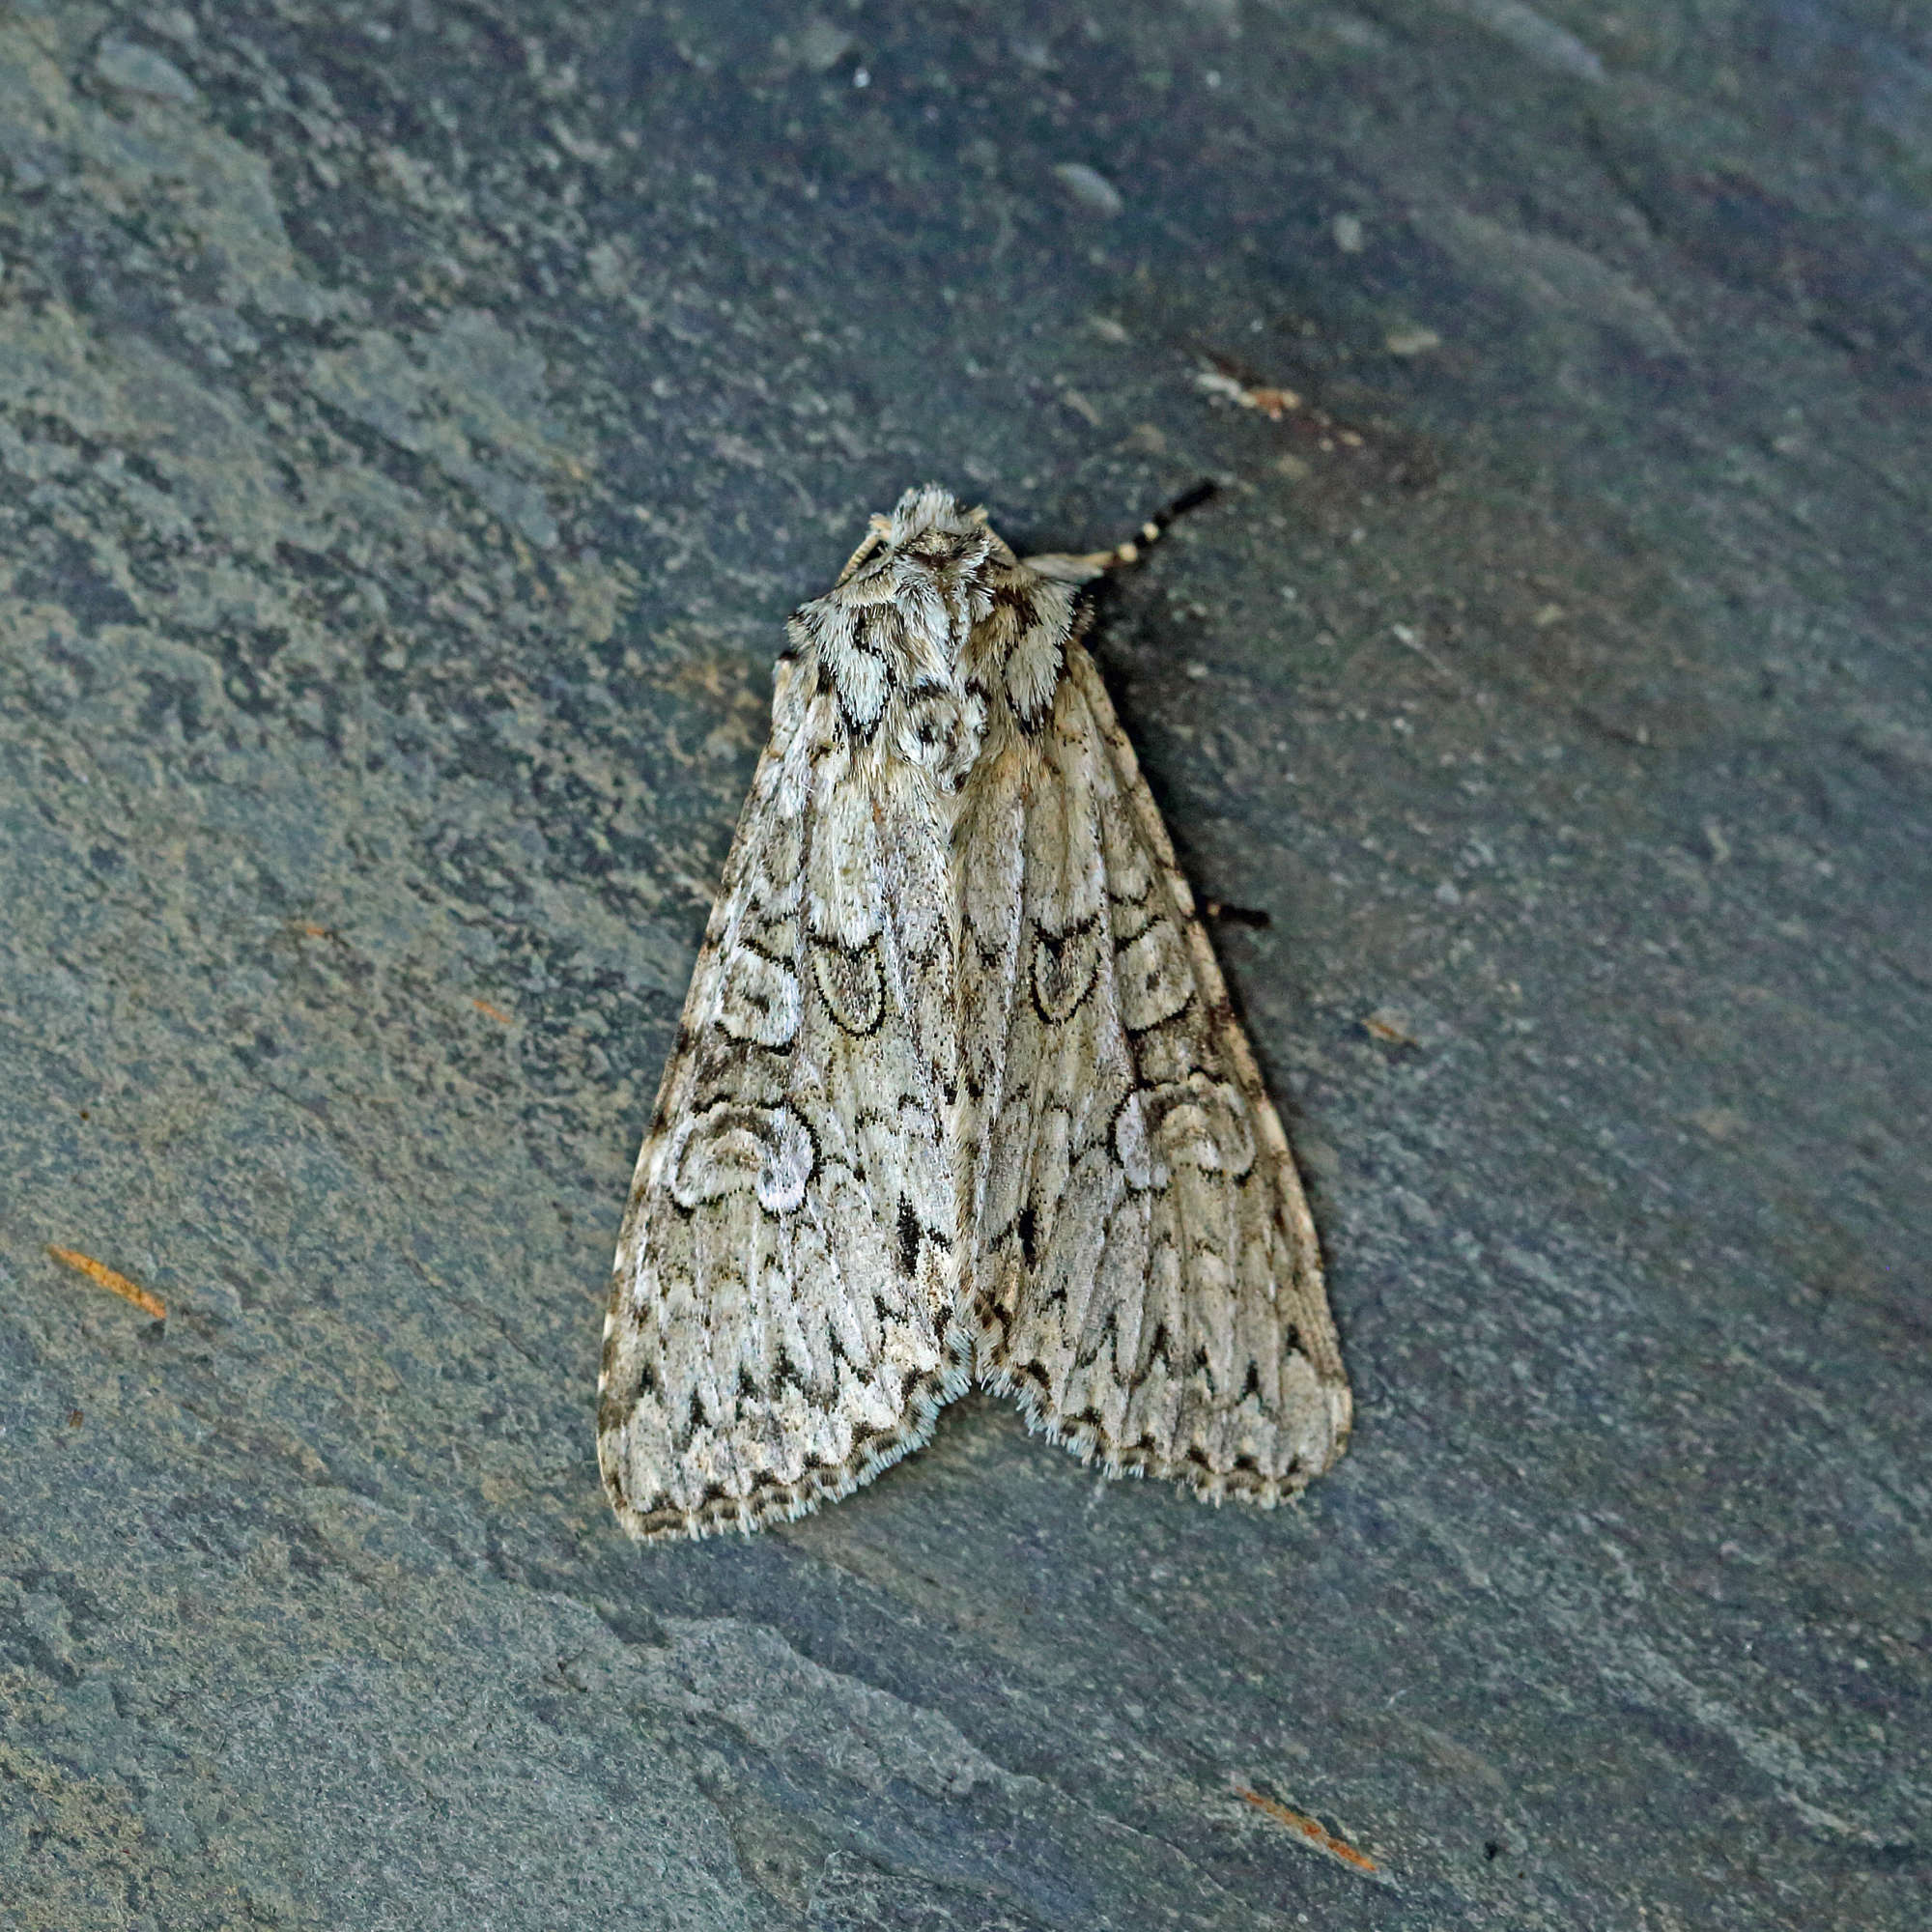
(103, 1276)
(1316, 1834)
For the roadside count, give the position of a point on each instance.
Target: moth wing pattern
(1148, 1279)
(784, 1316)
(957, 1090)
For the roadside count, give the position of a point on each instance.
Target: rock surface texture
(415, 420)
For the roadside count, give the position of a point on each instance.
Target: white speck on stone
(176, 22)
(1090, 190)
(1539, 39)
(1348, 236)
(139, 70)
(1408, 342)
(818, 47)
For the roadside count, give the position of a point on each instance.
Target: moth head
(932, 522)
(891, 637)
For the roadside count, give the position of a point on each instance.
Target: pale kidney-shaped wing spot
(1138, 1160)
(758, 1001)
(1065, 967)
(1202, 1123)
(1154, 979)
(851, 984)
(729, 1148)
(789, 1159)
(1236, 1131)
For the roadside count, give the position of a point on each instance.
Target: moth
(957, 1095)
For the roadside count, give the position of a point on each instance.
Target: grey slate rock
(414, 425)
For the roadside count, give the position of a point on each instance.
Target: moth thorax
(942, 727)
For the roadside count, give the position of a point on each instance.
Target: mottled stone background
(416, 419)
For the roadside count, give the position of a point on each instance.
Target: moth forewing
(1147, 1279)
(786, 1310)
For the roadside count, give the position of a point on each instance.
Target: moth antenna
(1080, 569)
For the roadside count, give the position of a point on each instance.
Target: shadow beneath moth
(957, 1095)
